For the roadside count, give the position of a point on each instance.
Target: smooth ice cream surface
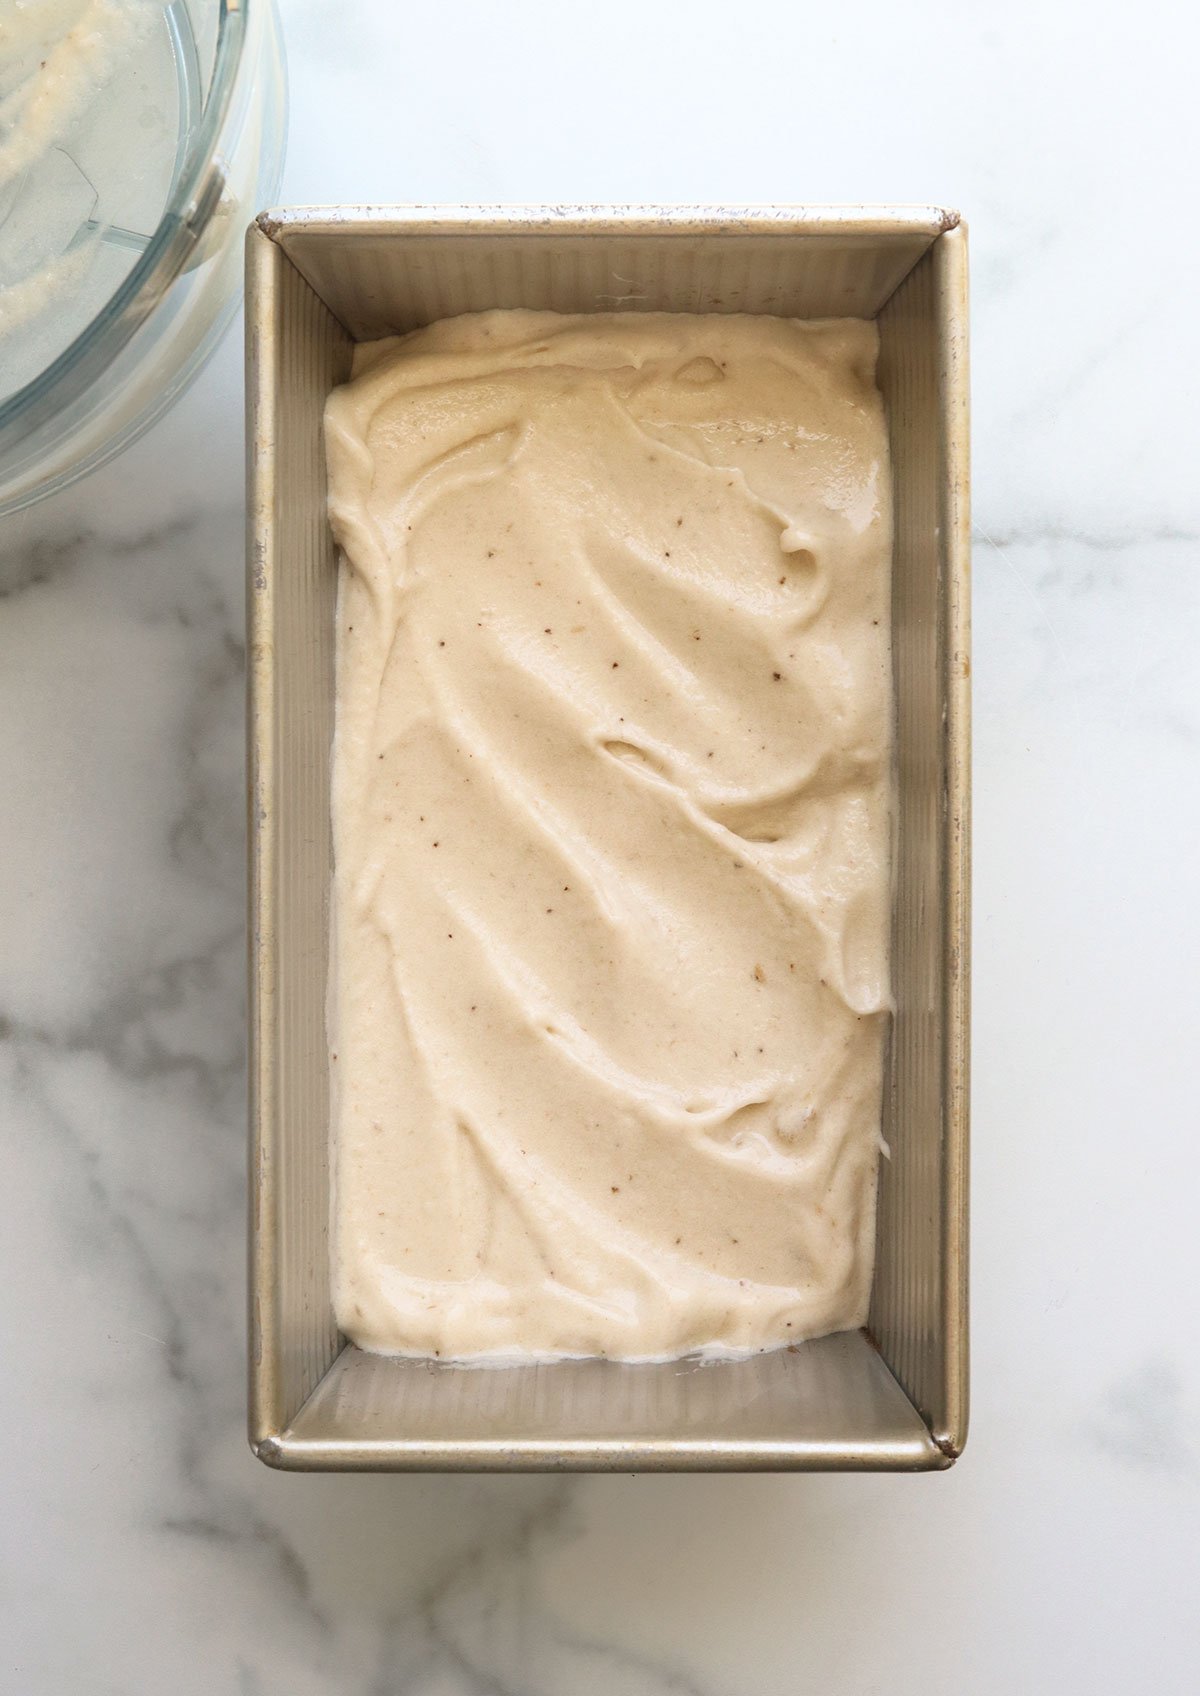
(611, 810)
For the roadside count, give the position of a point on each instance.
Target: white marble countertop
(144, 1550)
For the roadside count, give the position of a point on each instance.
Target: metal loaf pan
(894, 1396)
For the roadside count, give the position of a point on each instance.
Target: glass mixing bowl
(137, 140)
